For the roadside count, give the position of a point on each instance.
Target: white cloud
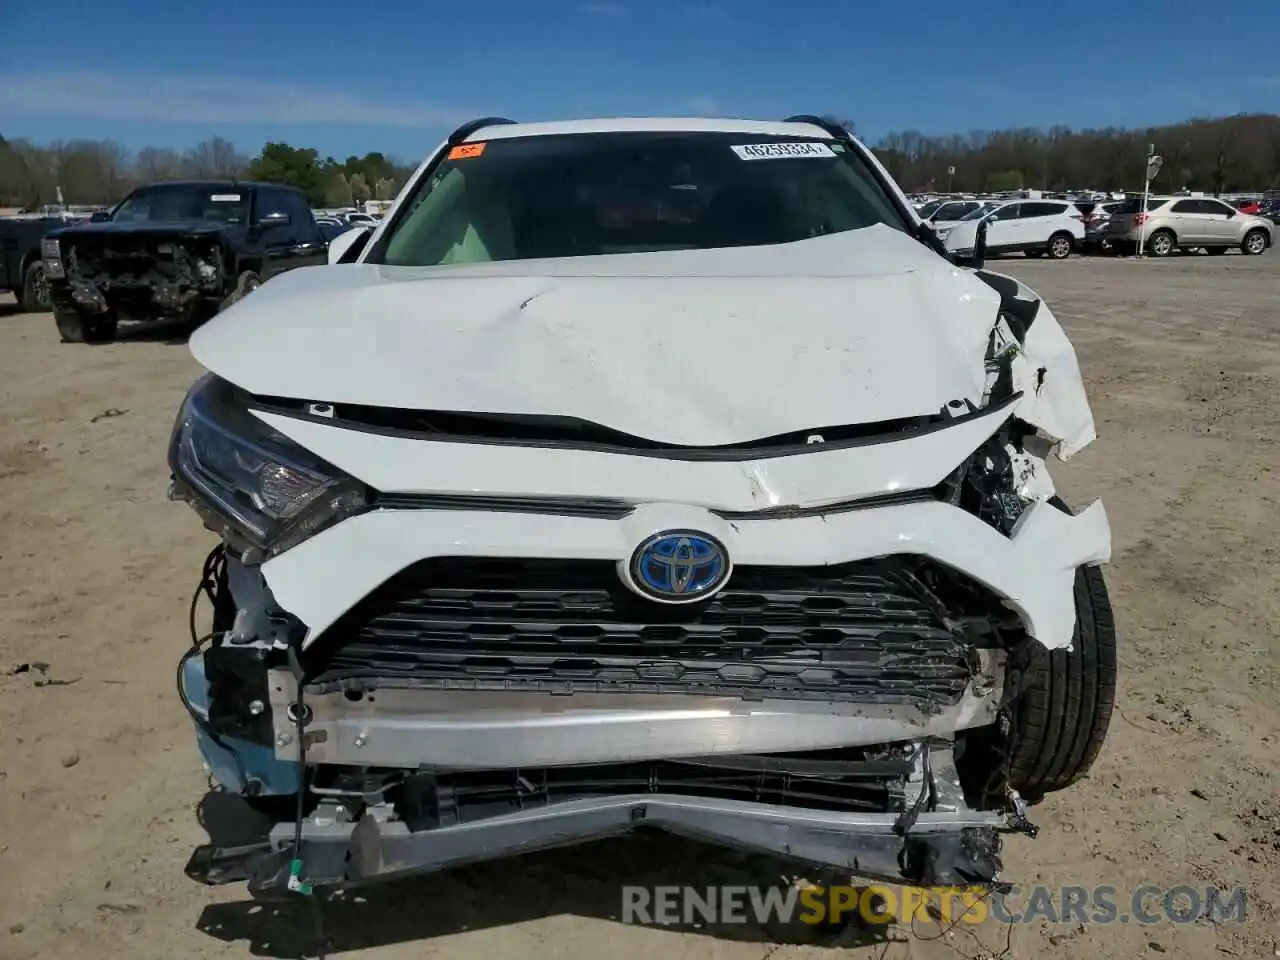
(162, 98)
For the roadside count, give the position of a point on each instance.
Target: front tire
(246, 283)
(77, 327)
(34, 296)
(1061, 718)
(1060, 245)
(1254, 243)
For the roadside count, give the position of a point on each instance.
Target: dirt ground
(99, 777)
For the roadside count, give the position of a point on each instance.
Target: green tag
(295, 883)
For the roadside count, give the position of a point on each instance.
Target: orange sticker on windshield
(465, 151)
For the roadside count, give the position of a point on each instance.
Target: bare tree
(152, 164)
(337, 189)
(27, 175)
(217, 158)
(92, 171)
(360, 191)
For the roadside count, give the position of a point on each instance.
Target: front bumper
(507, 724)
(937, 840)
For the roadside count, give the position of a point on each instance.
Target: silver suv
(1171, 223)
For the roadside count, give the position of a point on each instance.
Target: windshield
(223, 204)
(578, 195)
(929, 209)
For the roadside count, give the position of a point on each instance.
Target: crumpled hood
(689, 347)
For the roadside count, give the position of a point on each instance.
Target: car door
(272, 226)
(1221, 223)
(9, 279)
(312, 248)
(1036, 221)
(1189, 221)
(1002, 228)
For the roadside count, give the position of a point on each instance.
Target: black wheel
(1061, 718)
(76, 327)
(34, 296)
(1161, 243)
(1216, 251)
(1060, 245)
(246, 283)
(1254, 242)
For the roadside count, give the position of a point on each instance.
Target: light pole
(1154, 163)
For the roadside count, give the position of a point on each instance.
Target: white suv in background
(1033, 227)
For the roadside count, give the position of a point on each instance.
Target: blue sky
(395, 75)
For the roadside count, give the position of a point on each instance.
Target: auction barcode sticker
(782, 151)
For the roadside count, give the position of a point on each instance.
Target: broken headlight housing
(251, 484)
(1001, 478)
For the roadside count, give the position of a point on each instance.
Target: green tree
(296, 166)
(1005, 180)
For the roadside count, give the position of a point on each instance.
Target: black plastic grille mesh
(866, 631)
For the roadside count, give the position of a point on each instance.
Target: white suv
(1035, 227)
(655, 473)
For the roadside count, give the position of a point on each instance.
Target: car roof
(759, 128)
(234, 184)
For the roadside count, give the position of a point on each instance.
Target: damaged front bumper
(893, 812)
(140, 278)
(840, 751)
(937, 840)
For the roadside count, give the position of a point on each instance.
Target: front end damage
(410, 679)
(141, 276)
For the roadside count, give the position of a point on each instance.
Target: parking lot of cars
(1182, 360)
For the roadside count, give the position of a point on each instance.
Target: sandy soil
(99, 779)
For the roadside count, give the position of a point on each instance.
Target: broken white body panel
(693, 348)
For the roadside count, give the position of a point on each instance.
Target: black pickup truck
(20, 268)
(181, 250)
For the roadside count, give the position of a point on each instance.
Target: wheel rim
(40, 286)
(1060, 248)
(1255, 243)
(1161, 245)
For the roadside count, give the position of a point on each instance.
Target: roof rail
(471, 126)
(836, 131)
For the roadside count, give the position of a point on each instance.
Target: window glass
(1036, 208)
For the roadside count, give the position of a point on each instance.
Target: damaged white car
(641, 474)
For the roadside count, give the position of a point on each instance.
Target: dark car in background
(21, 269)
(1096, 217)
(178, 250)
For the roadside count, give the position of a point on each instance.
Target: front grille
(869, 631)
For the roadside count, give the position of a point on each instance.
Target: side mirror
(345, 247)
(270, 220)
(100, 216)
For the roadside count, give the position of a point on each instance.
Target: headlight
(257, 488)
